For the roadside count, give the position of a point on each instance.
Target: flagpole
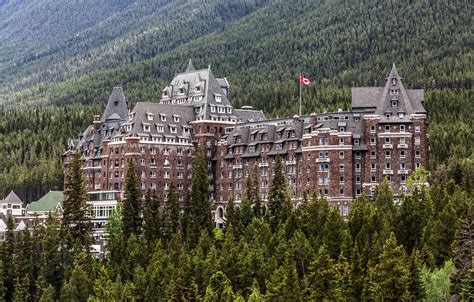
(299, 80)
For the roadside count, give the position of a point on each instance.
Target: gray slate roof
(117, 108)
(12, 198)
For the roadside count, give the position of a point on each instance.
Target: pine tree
(47, 295)
(177, 292)
(314, 214)
(279, 204)
(151, 217)
(199, 207)
(219, 289)
(132, 205)
(255, 194)
(116, 242)
(323, 279)
(172, 216)
(463, 275)
(334, 235)
(416, 289)
(390, 277)
(103, 288)
(76, 218)
(283, 285)
(255, 295)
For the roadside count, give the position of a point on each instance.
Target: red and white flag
(304, 80)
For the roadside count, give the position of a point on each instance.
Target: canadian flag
(304, 80)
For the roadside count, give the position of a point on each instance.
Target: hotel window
(357, 155)
(213, 109)
(388, 115)
(388, 166)
(372, 129)
(163, 117)
(153, 174)
(387, 128)
(278, 147)
(417, 140)
(167, 174)
(160, 128)
(417, 165)
(176, 119)
(417, 128)
(341, 129)
(341, 191)
(357, 167)
(357, 179)
(341, 179)
(401, 115)
(402, 140)
(403, 179)
(218, 98)
(341, 141)
(373, 155)
(142, 162)
(153, 162)
(372, 140)
(143, 174)
(341, 154)
(388, 154)
(387, 140)
(324, 167)
(229, 110)
(356, 142)
(341, 168)
(373, 167)
(402, 128)
(174, 129)
(417, 153)
(166, 162)
(373, 179)
(402, 153)
(402, 166)
(394, 104)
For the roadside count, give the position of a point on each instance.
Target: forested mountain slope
(260, 45)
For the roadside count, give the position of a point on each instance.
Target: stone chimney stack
(96, 122)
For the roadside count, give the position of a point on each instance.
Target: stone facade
(339, 154)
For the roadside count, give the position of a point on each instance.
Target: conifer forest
(59, 61)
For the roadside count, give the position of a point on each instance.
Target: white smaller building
(12, 205)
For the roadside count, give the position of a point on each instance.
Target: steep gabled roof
(117, 107)
(12, 198)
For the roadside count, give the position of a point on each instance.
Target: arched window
(220, 212)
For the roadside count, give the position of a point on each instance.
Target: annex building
(337, 154)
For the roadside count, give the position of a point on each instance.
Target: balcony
(291, 162)
(264, 164)
(387, 172)
(403, 172)
(237, 166)
(322, 160)
(402, 146)
(387, 146)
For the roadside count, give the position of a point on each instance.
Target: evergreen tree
(8, 252)
(219, 289)
(177, 292)
(390, 277)
(116, 242)
(3, 289)
(172, 214)
(76, 218)
(284, 284)
(47, 295)
(199, 216)
(78, 288)
(255, 295)
(415, 285)
(255, 194)
(323, 279)
(151, 217)
(103, 288)
(279, 204)
(314, 214)
(132, 205)
(463, 275)
(334, 234)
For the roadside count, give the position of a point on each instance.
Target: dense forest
(418, 251)
(261, 46)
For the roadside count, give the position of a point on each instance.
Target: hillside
(261, 46)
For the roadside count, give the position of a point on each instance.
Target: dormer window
(165, 92)
(181, 90)
(176, 118)
(146, 127)
(387, 128)
(128, 128)
(173, 129)
(341, 129)
(393, 91)
(163, 117)
(356, 142)
(198, 88)
(218, 98)
(213, 109)
(149, 116)
(394, 81)
(229, 110)
(279, 147)
(394, 103)
(388, 115)
(160, 128)
(401, 115)
(402, 128)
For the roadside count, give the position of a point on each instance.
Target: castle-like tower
(340, 154)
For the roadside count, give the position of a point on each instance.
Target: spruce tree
(151, 217)
(47, 295)
(132, 205)
(78, 288)
(279, 204)
(172, 216)
(256, 201)
(219, 289)
(176, 291)
(323, 279)
(199, 207)
(76, 217)
(390, 277)
(103, 287)
(334, 234)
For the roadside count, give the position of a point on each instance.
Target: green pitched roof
(47, 203)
